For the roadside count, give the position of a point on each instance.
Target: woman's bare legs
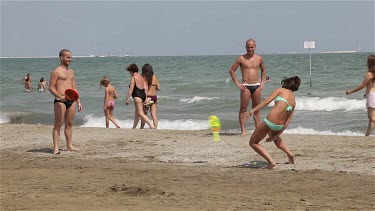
(153, 108)
(138, 104)
(271, 136)
(145, 110)
(371, 121)
(282, 145)
(259, 133)
(136, 118)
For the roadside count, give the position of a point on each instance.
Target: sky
(177, 28)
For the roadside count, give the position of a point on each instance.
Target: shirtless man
(62, 78)
(250, 86)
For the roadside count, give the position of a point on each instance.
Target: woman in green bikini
(276, 121)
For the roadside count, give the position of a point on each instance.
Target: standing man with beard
(62, 78)
(250, 86)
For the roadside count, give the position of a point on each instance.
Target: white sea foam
(301, 130)
(6, 117)
(303, 103)
(95, 121)
(187, 124)
(196, 99)
(328, 104)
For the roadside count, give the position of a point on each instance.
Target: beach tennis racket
(71, 95)
(215, 127)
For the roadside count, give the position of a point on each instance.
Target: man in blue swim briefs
(250, 86)
(62, 78)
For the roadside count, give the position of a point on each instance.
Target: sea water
(194, 88)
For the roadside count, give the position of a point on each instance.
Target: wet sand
(124, 169)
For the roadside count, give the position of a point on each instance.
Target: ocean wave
(6, 117)
(303, 103)
(188, 100)
(329, 104)
(190, 124)
(26, 118)
(301, 130)
(196, 99)
(187, 124)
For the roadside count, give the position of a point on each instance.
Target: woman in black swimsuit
(138, 90)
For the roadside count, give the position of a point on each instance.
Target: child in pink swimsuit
(109, 101)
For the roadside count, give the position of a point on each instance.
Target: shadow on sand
(256, 164)
(44, 150)
(225, 134)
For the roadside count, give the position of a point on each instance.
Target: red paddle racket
(71, 95)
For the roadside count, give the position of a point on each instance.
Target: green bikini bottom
(272, 125)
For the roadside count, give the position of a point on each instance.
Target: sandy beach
(124, 169)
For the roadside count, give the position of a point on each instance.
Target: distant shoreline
(124, 56)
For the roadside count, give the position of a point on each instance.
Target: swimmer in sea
(42, 85)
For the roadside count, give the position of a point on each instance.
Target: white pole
(310, 66)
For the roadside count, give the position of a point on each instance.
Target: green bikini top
(278, 98)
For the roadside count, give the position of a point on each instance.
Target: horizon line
(124, 56)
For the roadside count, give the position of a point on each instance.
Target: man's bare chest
(65, 76)
(250, 64)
